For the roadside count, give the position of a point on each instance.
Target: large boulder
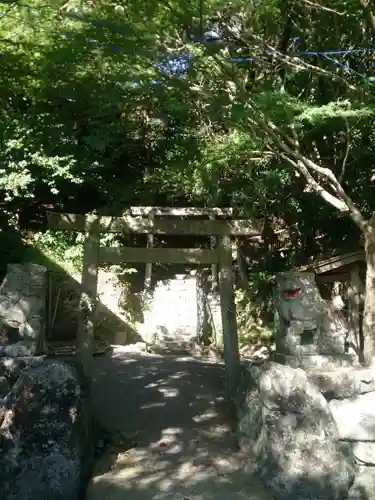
(45, 434)
(292, 440)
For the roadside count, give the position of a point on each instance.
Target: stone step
(172, 346)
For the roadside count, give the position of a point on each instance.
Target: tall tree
(310, 110)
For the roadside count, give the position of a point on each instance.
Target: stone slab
(355, 417)
(21, 349)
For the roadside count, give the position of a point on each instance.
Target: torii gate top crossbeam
(141, 225)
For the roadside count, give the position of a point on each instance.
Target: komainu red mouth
(292, 293)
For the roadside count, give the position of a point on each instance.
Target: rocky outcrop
(291, 438)
(310, 433)
(45, 434)
(22, 310)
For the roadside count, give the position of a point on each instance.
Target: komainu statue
(310, 330)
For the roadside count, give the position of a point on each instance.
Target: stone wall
(113, 322)
(46, 440)
(171, 312)
(123, 316)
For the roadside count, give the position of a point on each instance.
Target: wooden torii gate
(146, 221)
(155, 212)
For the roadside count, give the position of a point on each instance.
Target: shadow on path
(187, 446)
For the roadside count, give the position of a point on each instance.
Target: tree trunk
(369, 307)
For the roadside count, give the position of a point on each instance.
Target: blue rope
(344, 66)
(335, 52)
(179, 65)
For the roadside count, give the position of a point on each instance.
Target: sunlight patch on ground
(208, 415)
(169, 392)
(146, 476)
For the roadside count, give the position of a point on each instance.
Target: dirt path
(186, 447)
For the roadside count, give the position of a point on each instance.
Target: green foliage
(61, 247)
(255, 311)
(84, 126)
(335, 111)
(75, 123)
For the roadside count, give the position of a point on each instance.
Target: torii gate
(146, 221)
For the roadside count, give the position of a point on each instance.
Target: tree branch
(347, 148)
(321, 7)
(315, 186)
(366, 7)
(304, 165)
(289, 146)
(292, 61)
